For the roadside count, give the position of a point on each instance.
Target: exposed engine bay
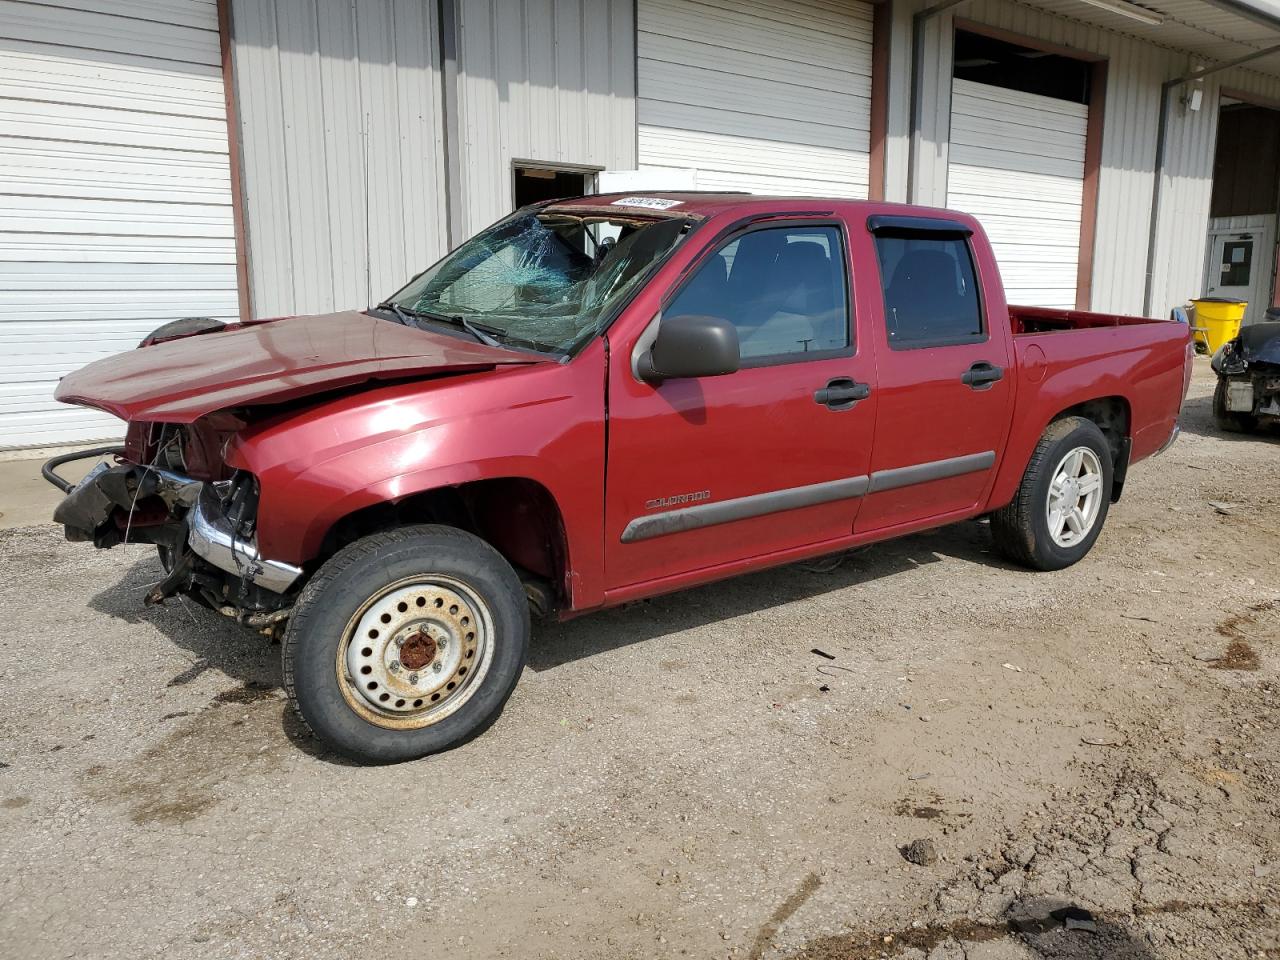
(1248, 369)
(168, 486)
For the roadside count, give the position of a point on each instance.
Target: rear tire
(1062, 502)
(1228, 420)
(406, 643)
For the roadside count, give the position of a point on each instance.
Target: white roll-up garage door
(758, 96)
(115, 194)
(1017, 163)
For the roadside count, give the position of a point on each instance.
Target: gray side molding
(792, 498)
(933, 470)
(757, 505)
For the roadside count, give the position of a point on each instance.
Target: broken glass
(545, 279)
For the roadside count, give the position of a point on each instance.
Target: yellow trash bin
(1221, 318)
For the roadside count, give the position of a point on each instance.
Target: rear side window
(930, 291)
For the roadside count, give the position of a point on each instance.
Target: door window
(930, 291)
(784, 288)
(1237, 258)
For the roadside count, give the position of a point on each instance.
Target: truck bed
(1050, 320)
(1143, 361)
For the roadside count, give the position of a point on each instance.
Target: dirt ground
(1093, 754)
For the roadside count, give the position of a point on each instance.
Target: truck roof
(699, 203)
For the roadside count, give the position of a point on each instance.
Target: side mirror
(691, 346)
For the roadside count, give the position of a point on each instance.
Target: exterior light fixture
(1130, 10)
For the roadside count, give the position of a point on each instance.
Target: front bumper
(131, 503)
(213, 537)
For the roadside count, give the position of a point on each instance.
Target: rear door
(708, 471)
(944, 384)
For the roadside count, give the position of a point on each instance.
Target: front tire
(406, 643)
(1228, 420)
(1063, 499)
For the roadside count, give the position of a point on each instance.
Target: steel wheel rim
(415, 652)
(1075, 497)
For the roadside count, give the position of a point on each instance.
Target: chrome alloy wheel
(1075, 496)
(415, 652)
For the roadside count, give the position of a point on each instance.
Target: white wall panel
(341, 146)
(542, 80)
(115, 194)
(757, 96)
(1016, 162)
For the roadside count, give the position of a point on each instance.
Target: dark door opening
(999, 63)
(535, 184)
(1241, 249)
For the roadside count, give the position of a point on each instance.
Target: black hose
(47, 471)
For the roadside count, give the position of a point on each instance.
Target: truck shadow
(213, 642)
(216, 645)
(556, 644)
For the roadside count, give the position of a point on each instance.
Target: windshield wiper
(401, 314)
(478, 332)
(484, 335)
(456, 319)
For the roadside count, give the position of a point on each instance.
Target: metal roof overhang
(1212, 32)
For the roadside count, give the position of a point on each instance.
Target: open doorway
(534, 183)
(1240, 258)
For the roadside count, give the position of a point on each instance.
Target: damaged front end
(202, 521)
(1248, 369)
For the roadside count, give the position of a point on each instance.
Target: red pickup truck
(598, 400)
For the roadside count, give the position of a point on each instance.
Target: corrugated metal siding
(1017, 164)
(755, 96)
(342, 149)
(1135, 71)
(542, 80)
(115, 194)
(932, 140)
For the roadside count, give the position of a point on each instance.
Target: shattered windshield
(540, 279)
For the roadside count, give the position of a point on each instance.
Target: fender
(543, 422)
(1091, 365)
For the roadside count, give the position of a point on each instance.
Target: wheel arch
(1111, 410)
(518, 516)
(1113, 415)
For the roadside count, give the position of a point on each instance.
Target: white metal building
(167, 158)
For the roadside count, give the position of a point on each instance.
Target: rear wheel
(1063, 499)
(406, 643)
(1228, 420)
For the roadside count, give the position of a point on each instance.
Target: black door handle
(982, 375)
(842, 393)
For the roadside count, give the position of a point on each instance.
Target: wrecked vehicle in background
(1248, 369)
(600, 400)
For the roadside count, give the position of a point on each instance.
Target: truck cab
(600, 400)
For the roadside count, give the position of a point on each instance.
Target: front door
(704, 472)
(944, 380)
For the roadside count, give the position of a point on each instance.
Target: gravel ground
(1093, 755)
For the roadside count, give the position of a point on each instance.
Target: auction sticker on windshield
(653, 203)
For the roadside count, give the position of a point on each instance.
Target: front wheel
(406, 643)
(1062, 501)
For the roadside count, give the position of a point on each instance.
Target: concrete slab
(26, 498)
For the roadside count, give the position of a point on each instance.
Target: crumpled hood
(1260, 342)
(179, 381)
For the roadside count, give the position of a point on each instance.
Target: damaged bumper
(213, 536)
(136, 504)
